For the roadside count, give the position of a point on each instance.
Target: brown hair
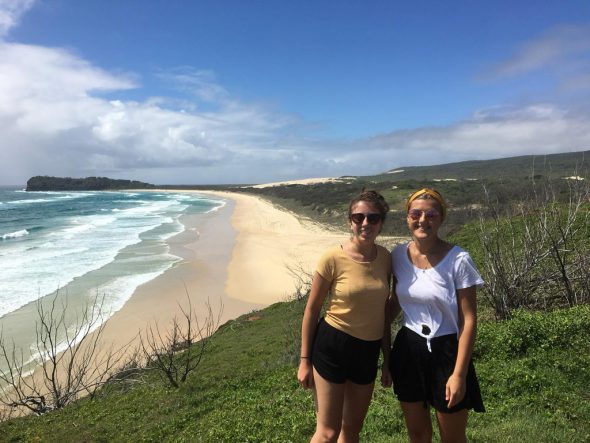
(372, 197)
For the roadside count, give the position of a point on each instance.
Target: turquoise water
(84, 245)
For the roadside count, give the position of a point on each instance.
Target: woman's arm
(317, 295)
(392, 310)
(467, 303)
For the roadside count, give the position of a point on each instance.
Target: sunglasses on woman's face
(415, 214)
(359, 218)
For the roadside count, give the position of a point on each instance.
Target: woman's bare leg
(418, 421)
(356, 404)
(329, 399)
(452, 426)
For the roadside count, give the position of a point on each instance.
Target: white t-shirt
(428, 297)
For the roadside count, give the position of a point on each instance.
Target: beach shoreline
(239, 258)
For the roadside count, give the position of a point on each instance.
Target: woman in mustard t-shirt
(339, 353)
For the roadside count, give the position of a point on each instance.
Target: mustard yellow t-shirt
(358, 292)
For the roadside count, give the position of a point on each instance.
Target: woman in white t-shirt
(430, 361)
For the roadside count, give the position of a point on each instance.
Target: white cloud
(47, 90)
(10, 13)
(494, 133)
(62, 115)
(53, 122)
(54, 108)
(202, 84)
(563, 52)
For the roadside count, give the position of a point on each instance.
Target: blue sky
(257, 91)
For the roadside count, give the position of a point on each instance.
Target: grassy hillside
(533, 370)
(551, 165)
(463, 184)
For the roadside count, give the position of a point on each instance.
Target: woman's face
(365, 230)
(424, 218)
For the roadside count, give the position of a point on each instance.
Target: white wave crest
(32, 200)
(15, 234)
(220, 204)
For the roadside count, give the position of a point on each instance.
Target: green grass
(533, 370)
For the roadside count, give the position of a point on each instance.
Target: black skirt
(420, 374)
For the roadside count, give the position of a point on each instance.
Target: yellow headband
(434, 194)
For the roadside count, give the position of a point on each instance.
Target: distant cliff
(45, 183)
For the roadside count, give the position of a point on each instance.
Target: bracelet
(301, 358)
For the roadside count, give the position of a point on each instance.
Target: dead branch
(535, 252)
(178, 351)
(67, 361)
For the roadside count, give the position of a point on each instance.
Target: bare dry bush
(65, 363)
(69, 359)
(292, 327)
(536, 253)
(177, 351)
(302, 278)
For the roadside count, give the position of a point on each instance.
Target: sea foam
(16, 234)
(79, 246)
(81, 238)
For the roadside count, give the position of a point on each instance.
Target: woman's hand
(385, 376)
(305, 374)
(455, 390)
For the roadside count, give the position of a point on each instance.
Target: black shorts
(338, 356)
(421, 375)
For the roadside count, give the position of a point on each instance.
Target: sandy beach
(238, 258)
(270, 244)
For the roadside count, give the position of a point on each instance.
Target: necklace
(426, 260)
(359, 256)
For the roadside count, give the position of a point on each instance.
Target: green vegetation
(46, 183)
(533, 366)
(535, 256)
(533, 371)
(465, 185)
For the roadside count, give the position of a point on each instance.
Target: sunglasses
(416, 214)
(358, 218)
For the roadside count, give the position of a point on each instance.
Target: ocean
(83, 245)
